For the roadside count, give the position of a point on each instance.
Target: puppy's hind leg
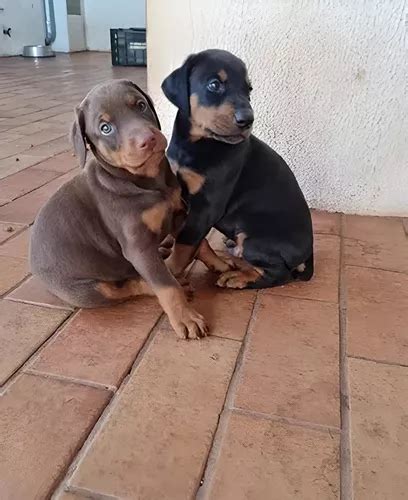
(93, 293)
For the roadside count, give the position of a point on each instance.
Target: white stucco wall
(330, 85)
(26, 20)
(101, 15)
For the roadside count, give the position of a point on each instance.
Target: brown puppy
(96, 241)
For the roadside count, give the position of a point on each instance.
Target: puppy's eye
(215, 86)
(141, 105)
(105, 128)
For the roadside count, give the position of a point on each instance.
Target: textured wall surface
(330, 82)
(26, 20)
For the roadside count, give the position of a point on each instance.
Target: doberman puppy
(233, 181)
(96, 241)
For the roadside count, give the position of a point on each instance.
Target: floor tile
(17, 246)
(9, 230)
(33, 291)
(12, 271)
(100, 345)
(262, 459)
(24, 209)
(23, 182)
(377, 314)
(23, 328)
(227, 312)
(63, 162)
(14, 164)
(290, 365)
(379, 417)
(377, 242)
(326, 222)
(162, 424)
(324, 284)
(43, 423)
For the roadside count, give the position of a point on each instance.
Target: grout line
(34, 356)
(25, 152)
(346, 466)
(224, 338)
(82, 492)
(60, 174)
(377, 269)
(331, 429)
(16, 285)
(31, 303)
(215, 449)
(16, 232)
(106, 413)
(276, 293)
(203, 491)
(378, 361)
(73, 380)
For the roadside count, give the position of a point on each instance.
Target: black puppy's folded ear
(176, 87)
(77, 136)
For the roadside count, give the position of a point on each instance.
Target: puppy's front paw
(238, 278)
(189, 325)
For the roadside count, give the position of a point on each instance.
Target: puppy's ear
(78, 138)
(176, 87)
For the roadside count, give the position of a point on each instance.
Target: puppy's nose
(147, 140)
(244, 117)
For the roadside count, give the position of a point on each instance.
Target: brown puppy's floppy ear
(176, 87)
(149, 101)
(78, 138)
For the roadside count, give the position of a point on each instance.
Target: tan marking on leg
(154, 216)
(239, 278)
(193, 180)
(187, 323)
(131, 288)
(223, 75)
(180, 258)
(208, 257)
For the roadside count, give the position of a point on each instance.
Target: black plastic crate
(128, 47)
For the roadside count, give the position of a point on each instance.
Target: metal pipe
(50, 27)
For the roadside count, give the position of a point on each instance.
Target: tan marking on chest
(193, 180)
(154, 216)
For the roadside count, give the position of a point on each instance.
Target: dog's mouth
(229, 139)
(135, 162)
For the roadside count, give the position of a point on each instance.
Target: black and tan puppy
(234, 181)
(95, 242)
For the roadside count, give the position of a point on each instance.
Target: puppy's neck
(159, 182)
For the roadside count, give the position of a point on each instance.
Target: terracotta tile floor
(301, 392)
